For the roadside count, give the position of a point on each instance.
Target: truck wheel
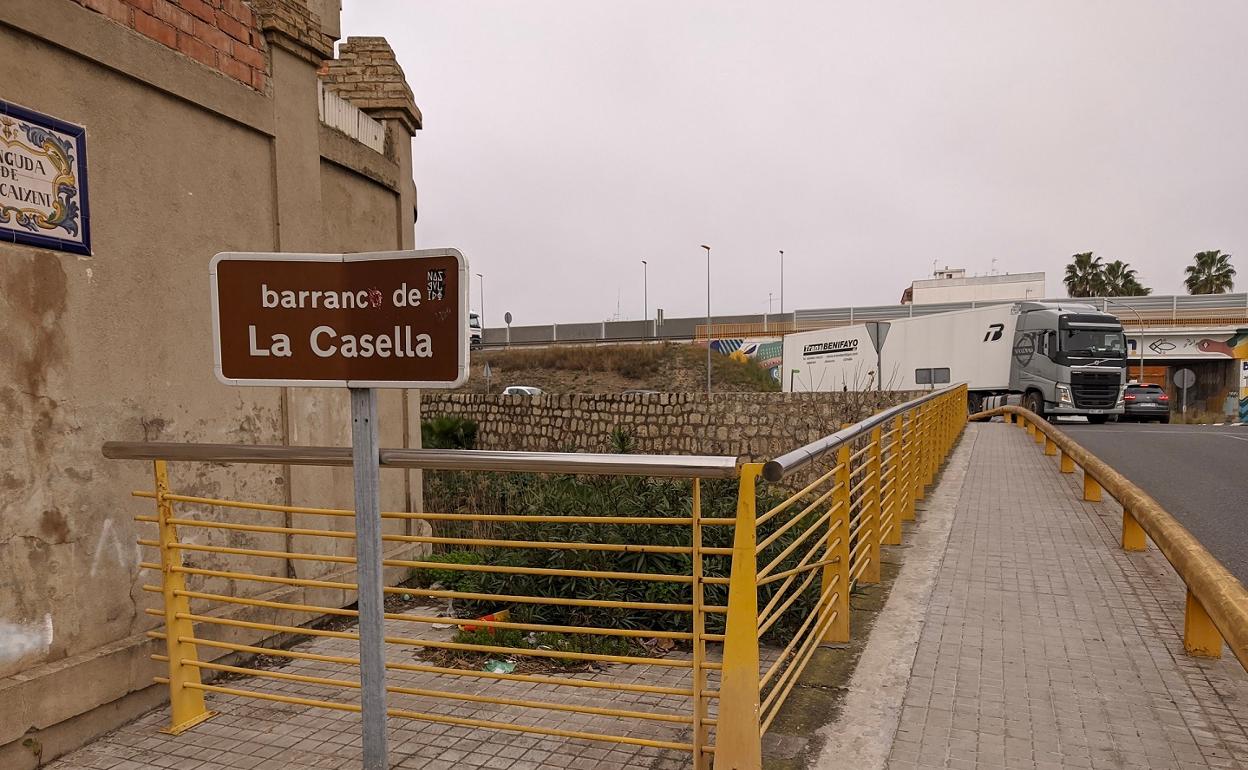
(1098, 419)
(1034, 402)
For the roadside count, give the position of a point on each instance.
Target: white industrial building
(953, 285)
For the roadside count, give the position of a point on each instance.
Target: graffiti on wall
(766, 353)
(1189, 346)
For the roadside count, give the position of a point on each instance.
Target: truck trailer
(1055, 358)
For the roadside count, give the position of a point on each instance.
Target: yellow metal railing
(198, 618)
(824, 538)
(1217, 603)
(241, 579)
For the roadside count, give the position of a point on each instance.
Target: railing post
(186, 703)
(937, 432)
(871, 498)
(1133, 537)
(896, 501)
(1050, 447)
(699, 632)
(1038, 433)
(920, 451)
(738, 741)
(951, 424)
(932, 434)
(949, 419)
(909, 469)
(1201, 637)
(1091, 489)
(1066, 462)
(836, 572)
(933, 442)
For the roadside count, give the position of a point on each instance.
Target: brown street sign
(371, 320)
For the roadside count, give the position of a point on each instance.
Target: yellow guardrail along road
(1217, 603)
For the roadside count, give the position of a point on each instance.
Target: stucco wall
(757, 426)
(183, 163)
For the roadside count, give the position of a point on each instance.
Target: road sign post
(1184, 378)
(356, 321)
(371, 597)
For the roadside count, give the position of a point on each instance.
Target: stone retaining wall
(757, 426)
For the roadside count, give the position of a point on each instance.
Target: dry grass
(664, 367)
(631, 361)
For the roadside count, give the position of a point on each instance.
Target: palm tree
(1118, 280)
(1084, 276)
(1210, 273)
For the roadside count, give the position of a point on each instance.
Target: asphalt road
(1198, 472)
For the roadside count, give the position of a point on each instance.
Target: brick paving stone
(251, 734)
(1046, 646)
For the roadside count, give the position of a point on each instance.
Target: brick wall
(367, 74)
(222, 34)
(758, 426)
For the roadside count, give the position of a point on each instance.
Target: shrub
(448, 432)
(565, 495)
(449, 578)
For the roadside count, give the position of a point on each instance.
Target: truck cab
(474, 330)
(1069, 359)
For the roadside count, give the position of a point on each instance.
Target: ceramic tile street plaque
(43, 181)
(372, 320)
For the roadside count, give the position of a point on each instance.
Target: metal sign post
(361, 321)
(371, 597)
(1184, 378)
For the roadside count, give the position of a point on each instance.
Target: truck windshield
(1086, 342)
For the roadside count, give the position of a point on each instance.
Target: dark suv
(1145, 402)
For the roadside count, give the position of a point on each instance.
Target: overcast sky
(567, 140)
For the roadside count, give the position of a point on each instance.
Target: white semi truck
(1055, 358)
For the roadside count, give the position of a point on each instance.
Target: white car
(521, 390)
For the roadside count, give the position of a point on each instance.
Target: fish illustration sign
(1187, 346)
(43, 181)
(368, 320)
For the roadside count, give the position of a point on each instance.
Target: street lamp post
(781, 281)
(482, 285)
(708, 319)
(1140, 320)
(645, 290)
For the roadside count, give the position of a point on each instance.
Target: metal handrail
(1221, 595)
(786, 464)
(671, 466)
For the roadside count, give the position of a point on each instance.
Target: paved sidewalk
(251, 734)
(1046, 646)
